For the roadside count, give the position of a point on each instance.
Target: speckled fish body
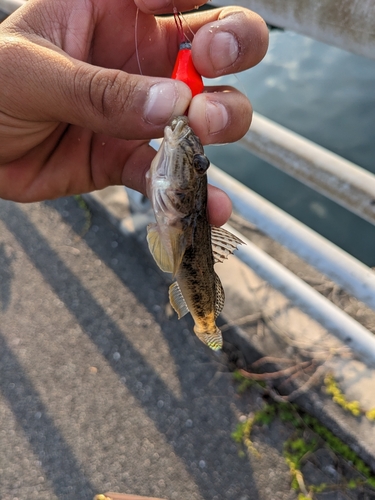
(182, 241)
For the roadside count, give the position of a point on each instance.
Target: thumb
(53, 86)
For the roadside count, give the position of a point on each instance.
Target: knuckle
(16, 61)
(107, 92)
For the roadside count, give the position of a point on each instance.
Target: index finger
(227, 39)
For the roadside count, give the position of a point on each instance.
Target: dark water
(327, 95)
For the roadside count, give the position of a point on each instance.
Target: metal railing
(340, 180)
(302, 295)
(9, 6)
(349, 273)
(331, 175)
(348, 25)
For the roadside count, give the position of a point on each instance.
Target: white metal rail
(354, 335)
(9, 6)
(331, 175)
(353, 276)
(347, 24)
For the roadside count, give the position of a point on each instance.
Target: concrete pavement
(101, 388)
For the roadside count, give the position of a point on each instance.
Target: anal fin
(219, 296)
(177, 300)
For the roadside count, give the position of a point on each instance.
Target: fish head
(183, 147)
(177, 171)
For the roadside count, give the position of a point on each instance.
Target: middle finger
(227, 40)
(220, 115)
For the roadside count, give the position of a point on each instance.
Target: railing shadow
(6, 277)
(46, 441)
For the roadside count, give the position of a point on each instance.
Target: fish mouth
(179, 123)
(177, 131)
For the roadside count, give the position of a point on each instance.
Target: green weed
(300, 446)
(83, 206)
(338, 397)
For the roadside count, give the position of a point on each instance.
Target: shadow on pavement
(46, 441)
(6, 277)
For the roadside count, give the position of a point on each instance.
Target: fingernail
(164, 100)
(223, 50)
(216, 116)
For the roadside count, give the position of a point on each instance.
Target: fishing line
(136, 41)
(180, 28)
(187, 24)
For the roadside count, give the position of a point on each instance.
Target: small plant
(83, 206)
(296, 450)
(370, 414)
(246, 383)
(243, 383)
(339, 397)
(243, 430)
(242, 436)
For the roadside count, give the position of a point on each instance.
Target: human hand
(75, 115)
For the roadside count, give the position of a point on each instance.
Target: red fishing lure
(184, 69)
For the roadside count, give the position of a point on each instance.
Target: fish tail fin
(214, 340)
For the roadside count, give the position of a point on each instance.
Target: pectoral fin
(219, 296)
(177, 300)
(223, 243)
(177, 241)
(168, 260)
(157, 249)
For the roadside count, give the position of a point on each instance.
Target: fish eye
(201, 163)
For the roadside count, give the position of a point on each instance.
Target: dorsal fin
(223, 243)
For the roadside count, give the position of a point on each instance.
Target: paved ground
(100, 387)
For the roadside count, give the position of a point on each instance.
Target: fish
(181, 240)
